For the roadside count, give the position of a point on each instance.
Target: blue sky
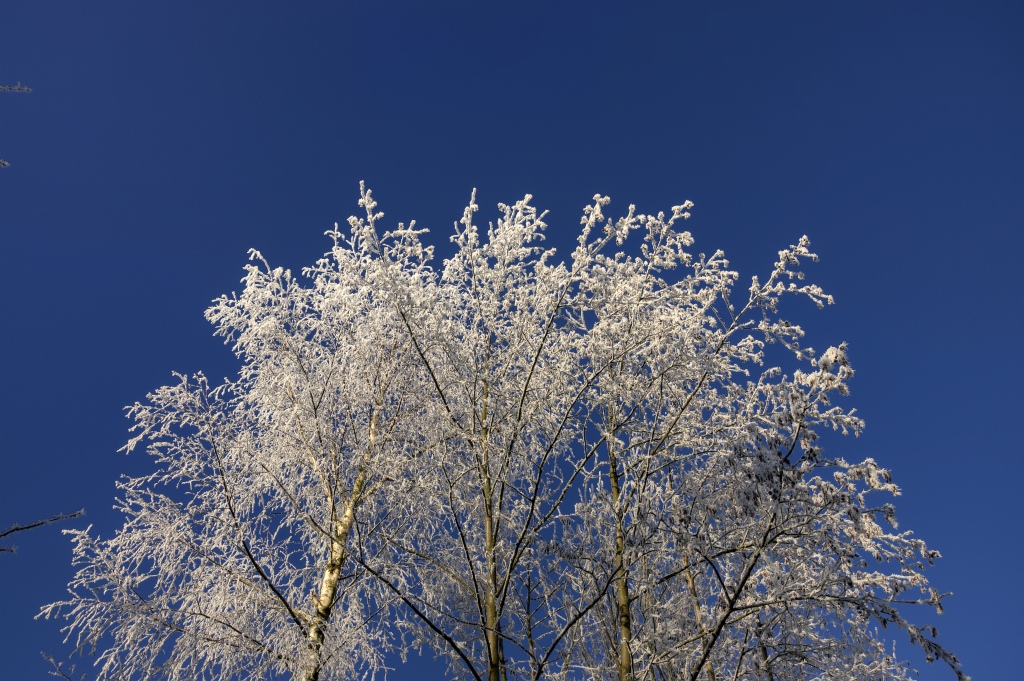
(162, 140)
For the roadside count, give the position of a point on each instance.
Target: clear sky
(162, 140)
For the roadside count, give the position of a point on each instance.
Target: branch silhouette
(13, 529)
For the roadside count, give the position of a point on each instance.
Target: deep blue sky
(162, 140)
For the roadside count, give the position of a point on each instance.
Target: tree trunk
(495, 671)
(323, 600)
(699, 621)
(624, 621)
(492, 621)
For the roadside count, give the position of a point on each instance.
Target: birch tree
(234, 558)
(607, 467)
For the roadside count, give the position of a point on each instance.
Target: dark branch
(39, 523)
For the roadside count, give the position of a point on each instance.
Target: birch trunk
(624, 620)
(492, 622)
(323, 599)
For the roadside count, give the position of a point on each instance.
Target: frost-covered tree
(535, 468)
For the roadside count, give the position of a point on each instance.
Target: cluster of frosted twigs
(534, 468)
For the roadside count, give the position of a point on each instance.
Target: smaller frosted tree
(538, 469)
(234, 561)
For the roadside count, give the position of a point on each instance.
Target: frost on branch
(533, 468)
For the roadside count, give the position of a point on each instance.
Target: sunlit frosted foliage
(536, 468)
